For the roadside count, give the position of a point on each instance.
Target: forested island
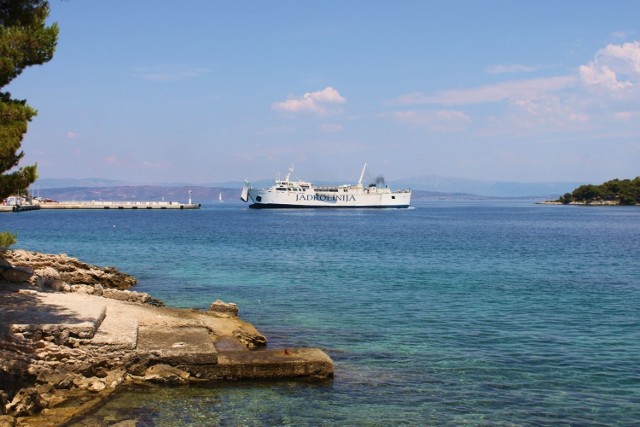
(614, 192)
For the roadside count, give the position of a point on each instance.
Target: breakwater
(118, 205)
(18, 208)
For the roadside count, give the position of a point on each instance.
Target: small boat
(301, 194)
(220, 198)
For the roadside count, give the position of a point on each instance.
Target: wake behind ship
(301, 194)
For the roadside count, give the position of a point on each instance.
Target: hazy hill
(95, 188)
(199, 194)
(147, 193)
(485, 188)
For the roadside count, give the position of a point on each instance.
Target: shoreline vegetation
(71, 334)
(616, 192)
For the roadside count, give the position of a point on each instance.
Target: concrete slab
(117, 329)
(178, 346)
(27, 310)
(281, 363)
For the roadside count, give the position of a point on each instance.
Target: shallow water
(465, 313)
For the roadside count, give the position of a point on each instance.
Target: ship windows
(258, 198)
(393, 197)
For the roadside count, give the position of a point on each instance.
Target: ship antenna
(362, 174)
(289, 174)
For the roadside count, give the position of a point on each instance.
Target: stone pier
(77, 344)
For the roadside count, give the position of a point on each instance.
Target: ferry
(302, 194)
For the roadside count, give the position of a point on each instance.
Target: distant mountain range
(486, 187)
(425, 187)
(147, 193)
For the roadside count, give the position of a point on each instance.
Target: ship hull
(284, 206)
(289, 194)
(364, 199)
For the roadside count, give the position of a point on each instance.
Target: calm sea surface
(465, 313)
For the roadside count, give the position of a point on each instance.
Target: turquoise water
(501, 313)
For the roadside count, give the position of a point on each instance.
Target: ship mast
(362, 174)
(286, 179)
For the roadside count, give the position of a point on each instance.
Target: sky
(204, 91)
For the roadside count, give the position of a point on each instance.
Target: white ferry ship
(301, 194)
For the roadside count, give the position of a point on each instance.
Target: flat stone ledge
(280, 363)
(31, 311)
(178, 346)
(116, 331)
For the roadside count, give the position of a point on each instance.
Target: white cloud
(166, 73)
(444, 120)
(615, 68)
(314, 102)
(72, 135)
(499, 92)
(549, 112)
(512, 68)
(594, 75)
(600, 96)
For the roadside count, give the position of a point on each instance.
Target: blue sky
(207, 91)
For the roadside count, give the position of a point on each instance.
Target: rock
(249, 340)
(61, 337)
(220, 307)
(130, 296)
(56, 285)
(139, 364)
(17, 274)
(64, 384)
(82, 289)
(4, 262)
(4, 400)
(70, 270)
(26, 402)
(48, 272)
(96, 386)
(162, 373)
(7, 421)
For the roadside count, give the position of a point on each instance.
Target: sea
(463, 313)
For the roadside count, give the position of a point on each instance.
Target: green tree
(25, 40)
(6, 240)
(625, 192)
(566, 198)
(587, 192)
(627, 199)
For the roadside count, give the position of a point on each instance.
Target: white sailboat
(220, 198)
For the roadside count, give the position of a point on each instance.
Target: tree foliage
(25, 40)
(6, 240)
(624, 192)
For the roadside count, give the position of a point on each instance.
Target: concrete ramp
(178, 346)
(117, 330)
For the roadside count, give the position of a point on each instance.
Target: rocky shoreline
(586, 203)
(72, 333)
